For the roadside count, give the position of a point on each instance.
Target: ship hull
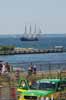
(28, 39)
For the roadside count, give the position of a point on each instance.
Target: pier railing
(40, 65)
(44, 69)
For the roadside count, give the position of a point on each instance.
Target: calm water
(43, 60)
(49, 57)
(45, 42)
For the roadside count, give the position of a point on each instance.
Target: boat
(29, 36)
(28, 39)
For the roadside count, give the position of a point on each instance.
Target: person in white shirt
(3, 69)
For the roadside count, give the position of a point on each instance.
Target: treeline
(7, 48)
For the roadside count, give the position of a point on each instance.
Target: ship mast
(35, 29)
(30, 31)
(25, 30)
(34, 35)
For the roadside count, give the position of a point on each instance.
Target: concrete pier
(32, 51)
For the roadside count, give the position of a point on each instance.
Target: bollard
(13, 93)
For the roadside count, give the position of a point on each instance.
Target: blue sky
(50, 15)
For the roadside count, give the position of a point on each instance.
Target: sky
(49, 15)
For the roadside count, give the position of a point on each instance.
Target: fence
(41, 65)
(8, 93)
(51, 69)
(45, 68)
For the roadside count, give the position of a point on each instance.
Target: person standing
(0, 68)
(4, 70)
(7, 66)
(34, 69)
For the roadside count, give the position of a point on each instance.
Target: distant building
(59, 48)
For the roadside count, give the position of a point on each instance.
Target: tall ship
(30, 36)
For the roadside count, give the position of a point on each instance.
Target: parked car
(26, 92)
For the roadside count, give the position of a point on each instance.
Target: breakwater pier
(57, 49)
